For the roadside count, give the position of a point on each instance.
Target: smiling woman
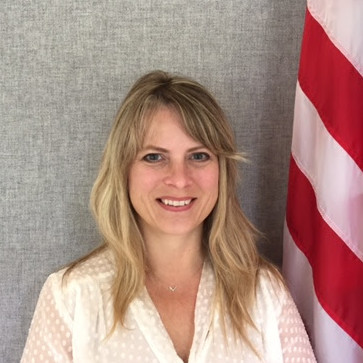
(178, 269)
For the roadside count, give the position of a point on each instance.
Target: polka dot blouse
(73, 318)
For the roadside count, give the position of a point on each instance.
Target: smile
(176, 203)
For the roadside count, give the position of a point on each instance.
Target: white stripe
(331, 343)
(342, 20)
(336, 178)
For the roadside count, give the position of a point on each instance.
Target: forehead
(166, 125)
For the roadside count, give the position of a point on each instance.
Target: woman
(178, 278)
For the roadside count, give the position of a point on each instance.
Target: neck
(173, 258)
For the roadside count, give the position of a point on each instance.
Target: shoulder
(280, 317)
(73, 308)
(87, 283)
(273, 299)
(98, 267)
(271, 289)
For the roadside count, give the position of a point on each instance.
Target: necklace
(173, 287)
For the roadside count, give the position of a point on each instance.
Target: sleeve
(295, 342)
(50, 333)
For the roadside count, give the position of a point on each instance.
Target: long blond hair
(228, 237)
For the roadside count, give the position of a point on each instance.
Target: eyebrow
(161, 149)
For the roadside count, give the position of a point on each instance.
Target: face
(173, 183)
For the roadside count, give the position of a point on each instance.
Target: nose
(178, 175)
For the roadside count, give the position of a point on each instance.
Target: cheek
(216, 183)
(215, 187)
(140, 182)
(134, 185)
(210, 181)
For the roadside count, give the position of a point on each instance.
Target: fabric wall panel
(64, 68)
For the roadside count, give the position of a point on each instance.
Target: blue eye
(152, 158)
(200, 156)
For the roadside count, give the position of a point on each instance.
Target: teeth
(176, 203)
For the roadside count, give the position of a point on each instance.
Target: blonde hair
(228, 237)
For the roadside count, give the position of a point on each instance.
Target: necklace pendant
(172, 288)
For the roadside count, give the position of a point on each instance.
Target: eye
(152, 158)
(200, 156)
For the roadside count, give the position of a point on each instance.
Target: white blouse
(73, 318)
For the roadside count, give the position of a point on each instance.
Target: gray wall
(65, 65)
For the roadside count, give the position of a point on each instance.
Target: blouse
(73, 319)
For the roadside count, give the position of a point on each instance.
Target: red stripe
(337, 272)
(334, 87)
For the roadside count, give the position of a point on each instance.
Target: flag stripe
(339, 194)
(343, 26)
(334, 344)
(335, 88)
(340, 294)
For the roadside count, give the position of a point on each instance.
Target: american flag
(323, 235)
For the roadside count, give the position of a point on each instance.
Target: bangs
(203, 119)
(208, 129)
(142, 120)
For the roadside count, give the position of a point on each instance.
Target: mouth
(175, 203)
